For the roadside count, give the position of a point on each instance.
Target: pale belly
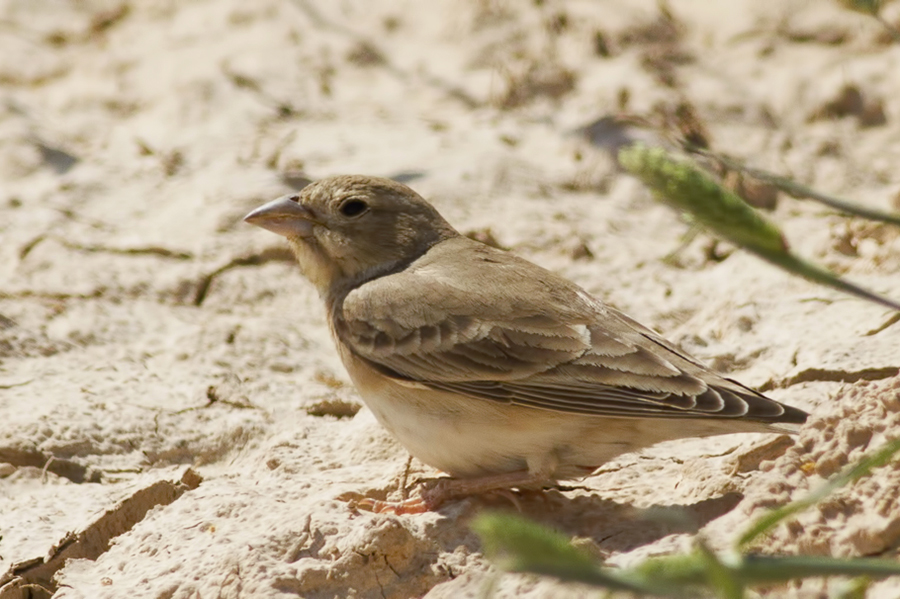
(468, 437)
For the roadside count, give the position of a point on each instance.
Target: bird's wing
(509, 331)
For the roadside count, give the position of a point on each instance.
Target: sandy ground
(174, 421)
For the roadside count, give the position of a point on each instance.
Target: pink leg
(445, 489)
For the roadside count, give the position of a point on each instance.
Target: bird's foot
(433, 494)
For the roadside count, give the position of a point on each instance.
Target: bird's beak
(284, 216)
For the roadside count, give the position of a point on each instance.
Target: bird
(484, 365)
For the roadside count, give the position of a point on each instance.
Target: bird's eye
(353, 207)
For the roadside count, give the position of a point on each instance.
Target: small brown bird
(484, 365)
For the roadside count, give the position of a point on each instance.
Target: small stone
(581, 251)
(486, 236)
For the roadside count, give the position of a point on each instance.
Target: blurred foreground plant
(519, 545)
(686, 187)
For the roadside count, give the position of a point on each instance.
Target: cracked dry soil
(173, 419)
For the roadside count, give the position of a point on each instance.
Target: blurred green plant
(517, 544)
(796, 190)
(847, 476)
(684, 186)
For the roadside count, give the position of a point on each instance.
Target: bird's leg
(404, 492)
(443, 490)
(434, 494)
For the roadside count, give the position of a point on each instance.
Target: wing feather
(542, 342)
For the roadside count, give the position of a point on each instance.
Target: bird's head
(348, 229)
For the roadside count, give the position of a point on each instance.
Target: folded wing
(563, 351)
